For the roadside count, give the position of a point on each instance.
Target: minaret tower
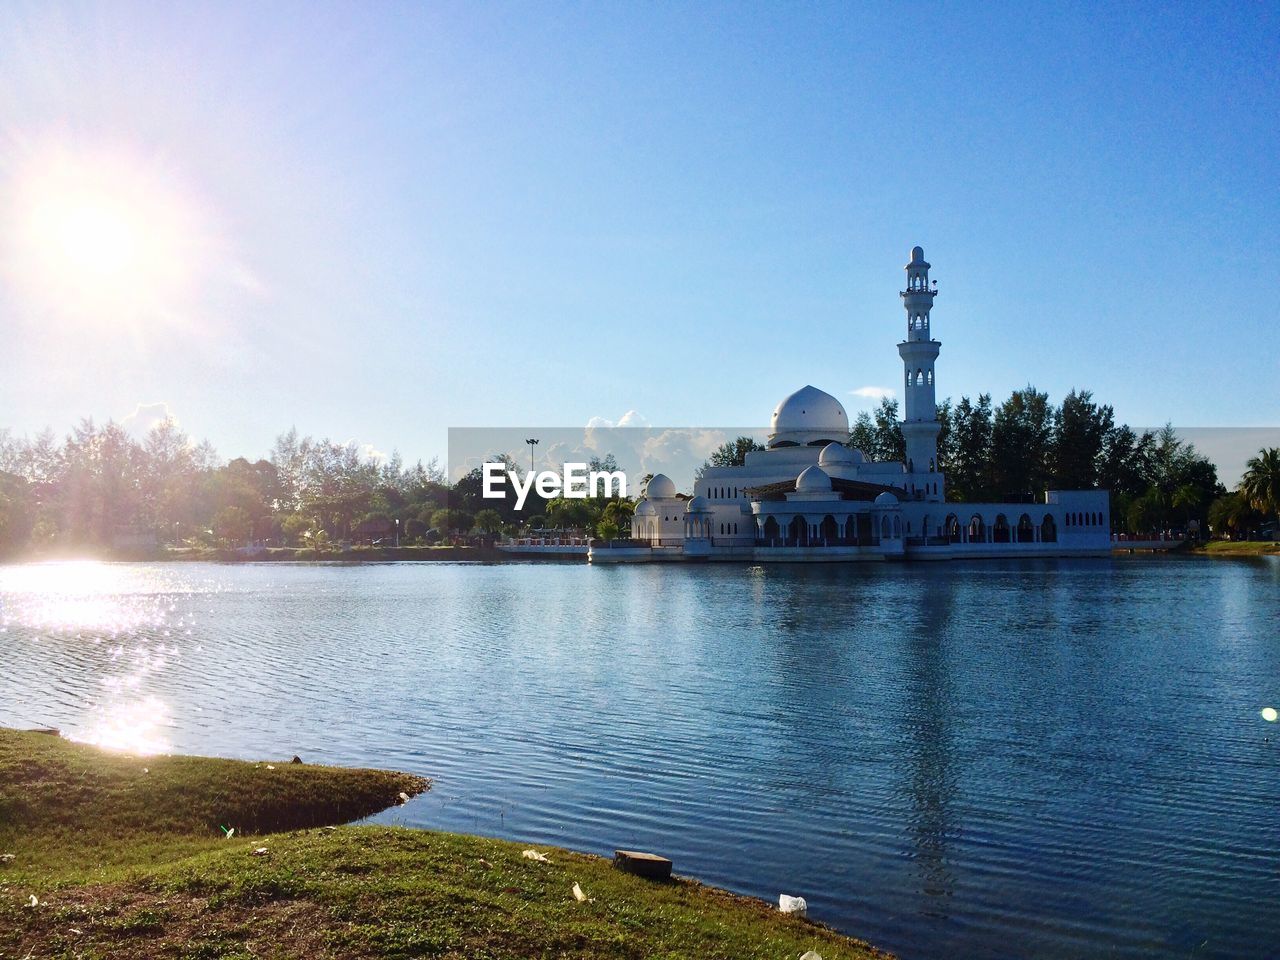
(920, 413)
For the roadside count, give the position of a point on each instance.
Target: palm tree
(1261, 482)
(1188, 497)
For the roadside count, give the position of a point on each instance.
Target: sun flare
(101, 237)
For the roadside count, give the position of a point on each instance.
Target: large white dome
(660, 487)
(808, 416)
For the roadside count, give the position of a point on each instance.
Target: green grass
(1239, 548)
(127, 857)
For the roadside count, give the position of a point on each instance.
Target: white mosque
(808, 497)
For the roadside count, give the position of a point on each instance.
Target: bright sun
(100, 238)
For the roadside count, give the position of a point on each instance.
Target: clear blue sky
(378, 221)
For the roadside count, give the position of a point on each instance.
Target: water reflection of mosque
(851, 690)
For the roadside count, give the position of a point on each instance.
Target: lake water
(1042, 759)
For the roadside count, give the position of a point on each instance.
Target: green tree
(1261, 482)
(1231, 515)
(294, 526)
(733, 453)
(451, 519)
(1189, 499)
(889, 442)
(233, 524)
(489, 521)
(1021, 432)
(1080, 429)
(969, 454)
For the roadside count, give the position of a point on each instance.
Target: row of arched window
(921, 322)
(722, 493)
(728, 529)
(922, 378)
(1084, 519)
(917, 282)
(1000, 531)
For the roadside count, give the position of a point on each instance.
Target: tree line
(100, 487)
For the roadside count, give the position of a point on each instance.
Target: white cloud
(629, 419)
(145, 417)
(369, 452)
(872, 393)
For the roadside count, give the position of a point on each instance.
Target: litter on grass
(578, 894)
(792, 904)
(534, 855)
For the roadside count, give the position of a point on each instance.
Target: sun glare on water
(126, 628)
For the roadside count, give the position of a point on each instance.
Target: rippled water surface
(1050, 759)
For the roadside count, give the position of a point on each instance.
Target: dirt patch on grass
(128, 922)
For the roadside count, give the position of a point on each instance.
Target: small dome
(646, 509)
(857, 456)
(835, 454)
(698, 505)
(917, 254)
(813, 480)
(808, 416)
(660, 487)
(887, 499)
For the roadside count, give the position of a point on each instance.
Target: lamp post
(532, 442)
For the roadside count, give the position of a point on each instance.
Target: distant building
(808, 497)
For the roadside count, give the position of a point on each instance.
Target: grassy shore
(1239, 548)
(129, 856)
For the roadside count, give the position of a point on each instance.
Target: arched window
(1000, 529)
(897, 528)
(830, 530)
(928, 378)
(1048, 530)
(884, 528)
(919, 378)
(1026, 529)
(977, 529)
